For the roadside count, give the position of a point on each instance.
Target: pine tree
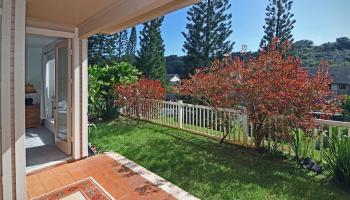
(157, 48)
(109, 46)
(143, 61)
(100, 49)
(121, 40)
(131, 47)
(151, 58)
(279, 22)
(209, 27)
(94, 49)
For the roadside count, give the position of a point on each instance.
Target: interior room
(44, 93)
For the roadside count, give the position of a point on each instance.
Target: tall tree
(151, 58)
(209, 27)
(95, 44)
(175, 65)
(131, 47)
(279, 22)
(121, 40)
(144, 53)
(100, 49)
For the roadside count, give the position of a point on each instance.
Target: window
(342, 87)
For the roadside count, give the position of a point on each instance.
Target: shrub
(301, 144)
(346, 108)
(139, 95)
(213, 86)
(102, 80)
(337, 157)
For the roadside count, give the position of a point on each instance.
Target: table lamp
(29, 89)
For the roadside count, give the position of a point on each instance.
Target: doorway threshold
(44, 166)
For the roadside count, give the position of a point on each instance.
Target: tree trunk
(258, 137)
(225, 134)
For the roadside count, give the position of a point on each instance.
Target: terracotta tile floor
(118, 180)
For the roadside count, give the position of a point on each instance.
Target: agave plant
(337, 158)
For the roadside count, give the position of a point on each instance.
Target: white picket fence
(195, 118)
(204, 120)
(328, 129)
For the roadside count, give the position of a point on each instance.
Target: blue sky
(317, 20)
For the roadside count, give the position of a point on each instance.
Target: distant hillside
(336, 53)
(175, 64)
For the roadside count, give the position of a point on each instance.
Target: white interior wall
(34, 71)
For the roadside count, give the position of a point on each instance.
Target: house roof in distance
(170, 76)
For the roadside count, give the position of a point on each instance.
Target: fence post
(180, 113)
(245, 129)
(321, 144)
(339, 133)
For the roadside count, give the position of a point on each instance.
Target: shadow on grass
(208, 170)
(118, 127)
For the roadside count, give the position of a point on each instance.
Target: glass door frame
(64, 145)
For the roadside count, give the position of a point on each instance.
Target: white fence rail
(327, 130)
(205, 121)
(195, 118)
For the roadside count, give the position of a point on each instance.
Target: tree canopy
(208, 29)
(279, 22)
(151, 59)
(336, 53)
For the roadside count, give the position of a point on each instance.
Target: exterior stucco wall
(12, 96)
(0, 104)
(12, 59)
(340, 89)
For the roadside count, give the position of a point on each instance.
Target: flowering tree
(270, 86)
(214, 86)
(276, 86)
(139, 95)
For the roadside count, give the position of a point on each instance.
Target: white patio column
(76, 88)
(19, 96)
(80, 95)
(84, 97)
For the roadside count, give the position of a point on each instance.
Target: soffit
(97, 16)
(68, 13)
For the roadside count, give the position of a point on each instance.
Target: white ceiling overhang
(97, 16)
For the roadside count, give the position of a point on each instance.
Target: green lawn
(208, 170)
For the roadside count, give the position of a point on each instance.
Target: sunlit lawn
(208, 170)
